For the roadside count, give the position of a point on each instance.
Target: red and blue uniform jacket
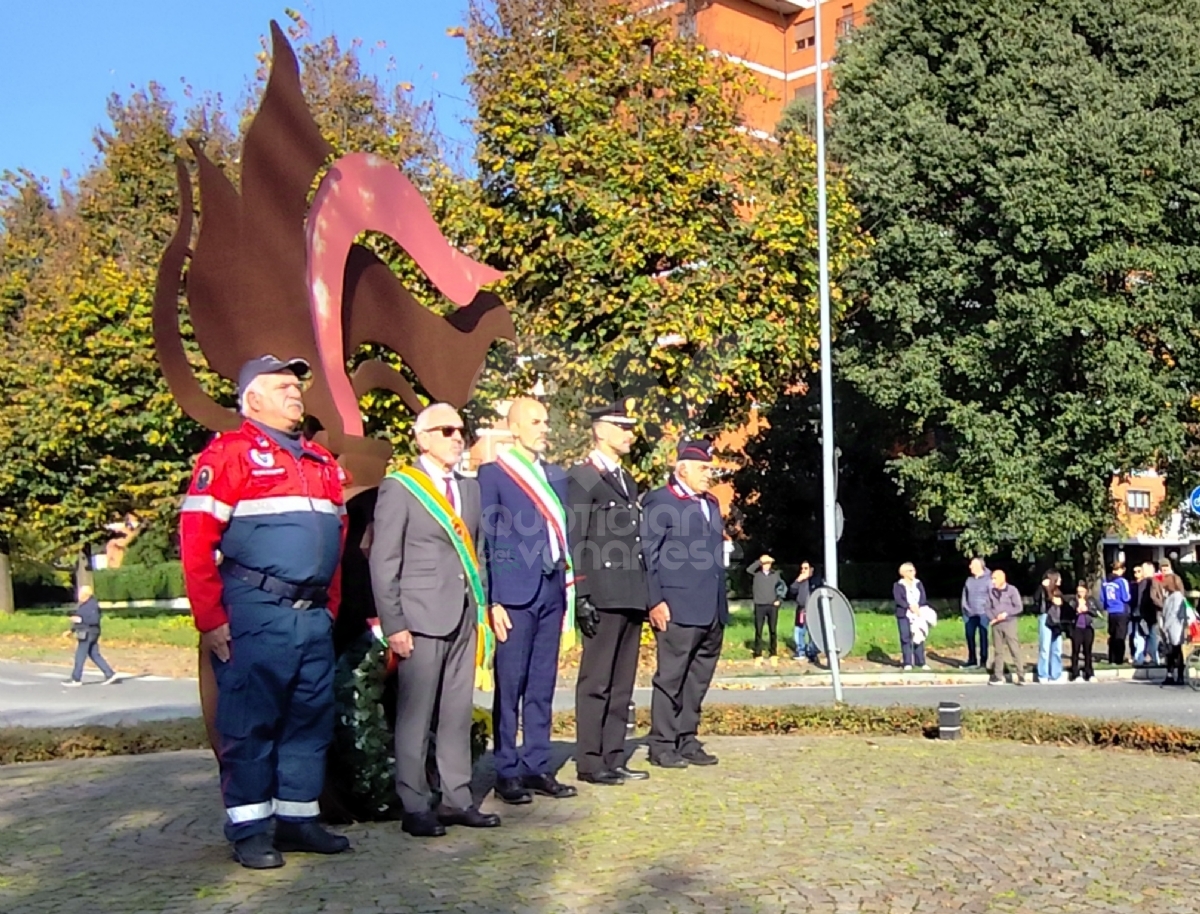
(253, 502)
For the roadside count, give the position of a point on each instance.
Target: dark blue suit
(524, 579)
(685, 569)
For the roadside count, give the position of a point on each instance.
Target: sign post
(835, 666)
(834, 632)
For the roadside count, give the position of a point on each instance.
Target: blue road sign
(1194, 500)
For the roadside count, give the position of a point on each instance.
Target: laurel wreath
(363, 733)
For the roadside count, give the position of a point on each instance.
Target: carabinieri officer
(270, 504)
(610, 582)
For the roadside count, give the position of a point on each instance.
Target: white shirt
(703, 500)
(555, 551)
(439, 477)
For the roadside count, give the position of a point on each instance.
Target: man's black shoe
(603, 778)
(629, 774)
(422, 825)
(257, 853)
(510, 790)
(545, 785)
(308, 837)
(471, 818)
(698, 756)
(668, 760)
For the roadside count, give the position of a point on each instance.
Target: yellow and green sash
(421, 487)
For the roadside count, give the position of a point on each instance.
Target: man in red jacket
(261, 536)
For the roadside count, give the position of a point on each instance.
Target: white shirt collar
(432, 470)
(687, 490)
(598, 456)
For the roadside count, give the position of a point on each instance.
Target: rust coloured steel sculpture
(269, 273)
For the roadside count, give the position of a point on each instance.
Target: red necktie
(450, 493)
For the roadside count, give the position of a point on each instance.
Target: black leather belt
(303, 596)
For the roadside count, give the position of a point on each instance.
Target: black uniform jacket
(606, 544)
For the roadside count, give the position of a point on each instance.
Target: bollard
(631, 721)
(949, 720)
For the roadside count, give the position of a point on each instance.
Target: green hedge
(163, 581)
(20, 744)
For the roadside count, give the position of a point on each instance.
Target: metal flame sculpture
(269, 273)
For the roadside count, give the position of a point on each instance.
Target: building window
(845, 23)
(806, 35)
(1138, 501)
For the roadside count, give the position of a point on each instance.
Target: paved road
(32, 695)
(783, 824)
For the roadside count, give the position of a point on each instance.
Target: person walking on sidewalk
(974, 610)
(1078, 621)
(1004, 605)
(1048, 604)
(1115, 597)
(769, 591)
(85, 626)
(909, 596)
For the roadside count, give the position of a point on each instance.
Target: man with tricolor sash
(430, 594)
(530, 582)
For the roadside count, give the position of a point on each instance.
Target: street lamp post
(829, 484)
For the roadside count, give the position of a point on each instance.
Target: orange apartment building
(1140, 538)
(774, 39)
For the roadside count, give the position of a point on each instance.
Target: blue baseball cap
(269, 364)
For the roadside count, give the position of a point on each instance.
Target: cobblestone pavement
(782, 824)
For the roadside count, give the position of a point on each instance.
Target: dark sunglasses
(447, 431)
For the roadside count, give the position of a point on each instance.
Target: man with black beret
(610, 582)
(683, 545)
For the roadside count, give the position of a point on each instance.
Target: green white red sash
(421, 487)
(533, 483)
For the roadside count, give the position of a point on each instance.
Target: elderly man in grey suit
(428, 590)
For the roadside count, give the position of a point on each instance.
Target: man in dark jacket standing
(610, 594)
(768, 592)
(683, 542)
(974, 610)
(1149, 604)
(1004, 605)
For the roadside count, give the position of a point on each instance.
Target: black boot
(256, 853)
(308, 837)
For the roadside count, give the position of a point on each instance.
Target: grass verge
(1032, 727)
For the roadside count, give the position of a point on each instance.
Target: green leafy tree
(87, 424)
(654, 246)
(1030, 174)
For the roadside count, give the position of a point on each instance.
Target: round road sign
(841, 614)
